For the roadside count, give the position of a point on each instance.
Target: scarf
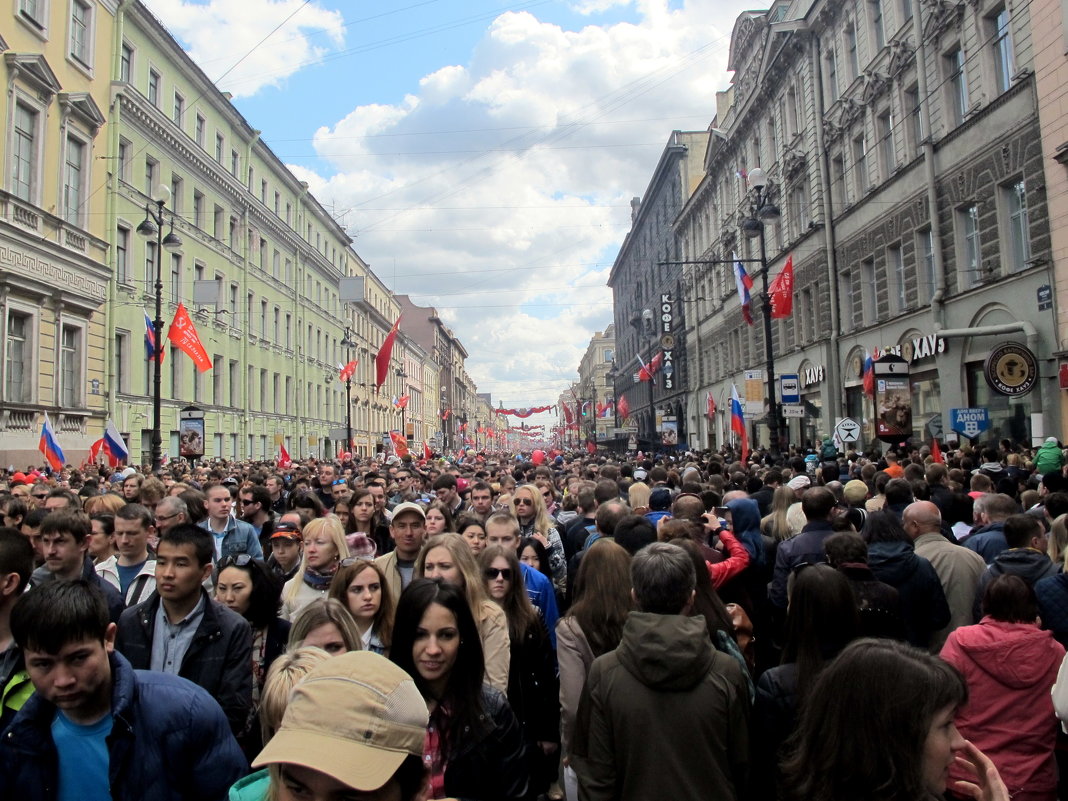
(319, 580)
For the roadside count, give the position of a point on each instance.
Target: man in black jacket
(180, 630)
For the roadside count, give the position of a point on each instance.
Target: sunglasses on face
(523, 502)
(504, 572)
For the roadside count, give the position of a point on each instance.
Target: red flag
(656, 363)
(402, 402)
(623, 408)
(384, 355)
(95, 450)
(400, 445)
(184, 334)
(427, 453)
(569, 415)
(781, 291)
(710, 409)
(590, 447)
(349, 370)
(936, 452)
(445, 414)
(644, 374)
(283, 458)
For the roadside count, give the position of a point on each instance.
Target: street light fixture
(348, 343)
(404, 409)
(762, 212)
(152, 225)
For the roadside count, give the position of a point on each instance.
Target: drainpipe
(1027, 328)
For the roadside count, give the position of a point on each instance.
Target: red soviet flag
(781, 291)
(384, 355)
(184, 334)
(400, 445)
(623, 408)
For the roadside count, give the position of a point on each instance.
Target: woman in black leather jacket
(474, 744)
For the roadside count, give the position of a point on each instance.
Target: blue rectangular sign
(970, 422)
(790, 388)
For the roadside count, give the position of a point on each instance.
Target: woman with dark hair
(891, 557)
(474, 745)
(593, 626)
(1010, 666)
(533, 689)
(473, 530)
(361, 586)
(822, 618)
(878, 725)
(438, 519)
(361, 513)
(306, 500)
(194, 502)
(246, 586)
(534, 554)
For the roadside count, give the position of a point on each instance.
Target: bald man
(958, 568)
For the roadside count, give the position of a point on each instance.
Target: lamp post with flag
(152, 225)
(761, 212)
(346, 375)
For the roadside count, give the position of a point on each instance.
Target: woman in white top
(324, 548)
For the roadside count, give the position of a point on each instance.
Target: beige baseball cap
(408, 506)
(355, 717)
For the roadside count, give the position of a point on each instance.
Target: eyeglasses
(524, 502)
(246, 501)
(504, 572)
(40, 497)
(338, 483)
(351, 560)
(240, 560)
(161, 518)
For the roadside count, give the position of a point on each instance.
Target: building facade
(648, 294)
(901, 145)
(595, 388)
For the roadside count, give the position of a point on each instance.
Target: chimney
(635, 207)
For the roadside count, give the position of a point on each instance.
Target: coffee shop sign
(921, 347)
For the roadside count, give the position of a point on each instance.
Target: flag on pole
(445, 414)
(738, 422)
(781, 291)
(645, 373)
(283, 458)
(150, 340)
(656, 363)
(427, 453)
(936, 452)
(400, 445)
(402, 402)
(49, 445)
(869, 376)
(710, 406)
(623, 407)
(95, 450)
(184, 334)
(348, 370)
(114, 446)
(384, 355)
(744, 284)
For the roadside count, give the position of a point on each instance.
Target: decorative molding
(902, 54)
(33, 69)
(875, 84)
(82, 106)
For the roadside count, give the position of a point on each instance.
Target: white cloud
(235, 28)
(499, 190)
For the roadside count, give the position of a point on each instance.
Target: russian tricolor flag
(150, 340)
(738, 422)
(745, 283)
(114, 446)
(49, 446)
(868, 376)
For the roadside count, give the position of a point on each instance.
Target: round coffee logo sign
(1011, 369)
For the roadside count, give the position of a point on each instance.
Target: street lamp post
(404, 408)
(761, 212)
(152, 225)
(348, 344)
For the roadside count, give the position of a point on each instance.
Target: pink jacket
(1010, 669)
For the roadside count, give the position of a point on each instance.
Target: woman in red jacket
(1010, 665)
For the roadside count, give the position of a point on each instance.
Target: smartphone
(721, 511)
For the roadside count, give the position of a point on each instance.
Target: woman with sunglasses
(528, 504)
(246, 586)
(533, 688)
(474, 745)
(361, 586)
(324, 548)
(447, 557)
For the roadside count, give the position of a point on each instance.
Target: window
(263, 390)
(179, 109)
(218, 220)
(251, 177)
(878, 29)
(1001, 42)
(122, 361)
(153, 87)
(74, 181)
(35, 12)
(798, 208)
(198, 131)
(248, 312)
(70, 367)
(263, 191)
(17, 356)
(176, 372)
(232, 233)
(289, 328)
(122, 255)
(233, 304)
(970, 255)
(868, 310)
(289, 212)
(860, 164)
(81, 33)
(150, 265)
(151, 171)
(233, 163)
(906, 10)
(235, 384)
(177, 206)
(910, 99)
(24, 173)
(832, 73)
(219, 145)
(276, 264)
(277, 324)
(124, 159)
(887, 156)
(1014, 198)
(176, 278)
(125, 63)
(216, 380)
(927, 280)
(851, 51)
(198, 209)
(263, 319)
(895, 278)
(957, 83)
(277, 203)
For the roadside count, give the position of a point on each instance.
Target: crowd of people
(881, 626)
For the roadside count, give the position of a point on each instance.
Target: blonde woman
(638, 496)
(324, 548)
(448, 558)
(327, 624)
(528, 506)
(775, 524)
(1058, 540)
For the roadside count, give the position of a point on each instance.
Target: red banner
(400, 445)
(524, 412)
(384, 355)
(402, 402)
(348, 370)
(623, 408)
(781, 291)
(184, 335)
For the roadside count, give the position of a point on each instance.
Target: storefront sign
(1044, 295)
(812, 375)
(893, 399)
(669, 431)
(918, 348)
(754, 393)
(667, 321)
(1011, 369)
(970, 422)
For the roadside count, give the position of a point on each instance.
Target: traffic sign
(790, 388)
(934, 426)
(847, 429)
(970, 422)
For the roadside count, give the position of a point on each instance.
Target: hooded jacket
(1049, 457)
(1010, 669)
(987, 541)
(923, 602)
(664, 685)
(1052, 595)
(745, 524)
(1027, 563)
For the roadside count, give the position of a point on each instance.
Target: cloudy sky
(481, 153)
